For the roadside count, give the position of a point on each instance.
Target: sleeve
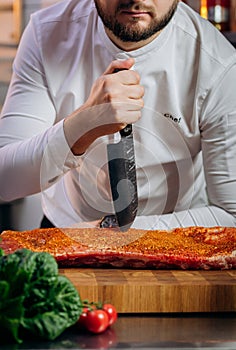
(207, 216)
(33, 149)
(218, 139)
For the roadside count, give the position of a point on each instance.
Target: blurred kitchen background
(26, 213)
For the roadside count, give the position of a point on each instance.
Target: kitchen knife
(122, 173)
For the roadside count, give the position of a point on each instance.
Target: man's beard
(135, 34)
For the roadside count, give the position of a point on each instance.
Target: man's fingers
(136, 93)
(128, 77)
(119, 65)
(131, 105)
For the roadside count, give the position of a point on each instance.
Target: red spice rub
(191, 247)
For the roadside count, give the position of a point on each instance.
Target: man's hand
(115, 100)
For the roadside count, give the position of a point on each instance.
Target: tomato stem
(91, 305)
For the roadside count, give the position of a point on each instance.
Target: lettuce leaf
(35, 299)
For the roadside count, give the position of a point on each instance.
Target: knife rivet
(127, 130)
(109, 221)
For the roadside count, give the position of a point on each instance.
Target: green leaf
(1, 252)
(35, 300)
(11, 313)
(50, 316)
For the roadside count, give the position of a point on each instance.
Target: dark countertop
(155, 331)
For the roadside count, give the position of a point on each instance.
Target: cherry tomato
(112, 313)
(82, 319)
(97, 321)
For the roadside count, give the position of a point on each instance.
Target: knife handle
(126, 131)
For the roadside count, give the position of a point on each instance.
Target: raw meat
(181, 248)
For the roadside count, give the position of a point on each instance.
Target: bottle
(218, 13)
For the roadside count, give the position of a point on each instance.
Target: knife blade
(123, 182)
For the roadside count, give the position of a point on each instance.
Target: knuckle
(107, 98)
(108, 91)
(136, 76)
(105, 81)
(142, 90)
(137, 116)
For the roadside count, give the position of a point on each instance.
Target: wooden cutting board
(162, 291)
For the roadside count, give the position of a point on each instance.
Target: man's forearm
(206, 216)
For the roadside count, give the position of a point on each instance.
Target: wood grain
(159, 291)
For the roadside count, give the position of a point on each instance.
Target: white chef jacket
(185, 141)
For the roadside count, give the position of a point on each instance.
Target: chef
(85, 69)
